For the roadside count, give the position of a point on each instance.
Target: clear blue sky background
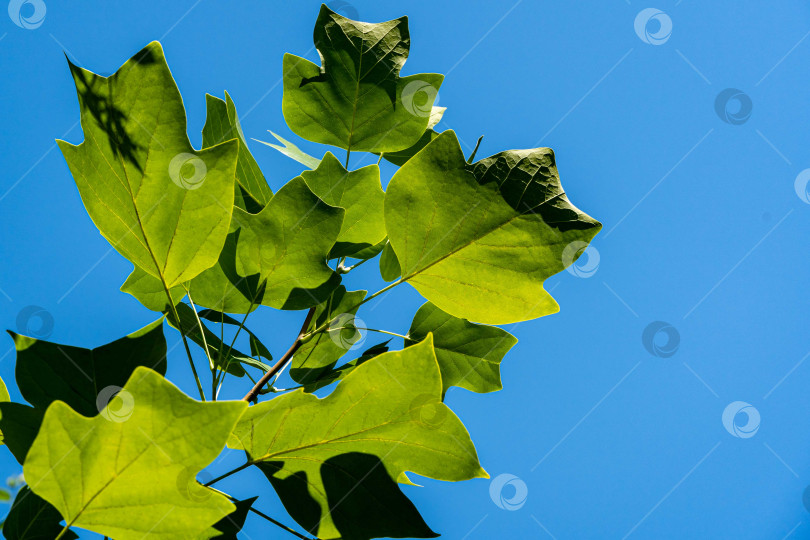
(703, 229)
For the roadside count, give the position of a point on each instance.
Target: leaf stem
(229, 473)
(279, 524)
(348, 153)
(185, 341)
(227, 358)
(371, 330)
(250, 396)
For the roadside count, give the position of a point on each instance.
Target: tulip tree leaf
(478, 240)
(356, 100)
(222, 124)
(160, 203)
(389, 265)
(399, 158)
(149, 291)
(257, 348)
(291, 151)
(99, 473)
(338, 374)
(324, 349)
(47, 372)
(275, 258)
(32, 518)
(4, 396)
(334, 461)
(358, 192)
(469, 354)
(19, 425)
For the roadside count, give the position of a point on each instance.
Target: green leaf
(293, 152)
(478, 240)
(356, 99)
(160, 203)
(399, 158)
(469, 354)
(338, 374)
(146, 446)
(320, 353)
(233, 523)
(360, 194)
(389, 265)
(149, 291)
(19, 425)
(257, 348)
(276, 257)
(222, 124)
(334, 461)
(4, 395)
(5, 496)
(32, 518)
(47, 372)
(217, 350)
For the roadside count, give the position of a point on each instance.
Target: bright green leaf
(469, 354)
(358, 192)
(479, 240)
(389, 265)
(333, 461)
(4, 395)
(320, 353)
(149, 291)
(399, 158)
(145, 447)
(32, 518)
(356, 99)
(276, 257)
(291, 151)
(48, 371)
(160, 203)
(222, 124)
(338, 374)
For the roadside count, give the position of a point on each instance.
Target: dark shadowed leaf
(32, 518)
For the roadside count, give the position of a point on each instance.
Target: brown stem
(250, 396)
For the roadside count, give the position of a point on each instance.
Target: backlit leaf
(356, 98)
(291, 151)
(160, 203)
(478, 240)
(399, 158)
(149, 291)
(389, 265)
(129, 472)
(334, 461)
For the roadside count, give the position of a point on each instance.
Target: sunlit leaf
(469, 354)
(399, 158)
(149, 291)
(291, 151)
(334, 461)
(478, 240)
(356, 99)
(145, 447)
(360, 194)
(160, 203)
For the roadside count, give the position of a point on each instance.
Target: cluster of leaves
(107, 444)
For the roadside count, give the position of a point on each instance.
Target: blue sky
(705, 230)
